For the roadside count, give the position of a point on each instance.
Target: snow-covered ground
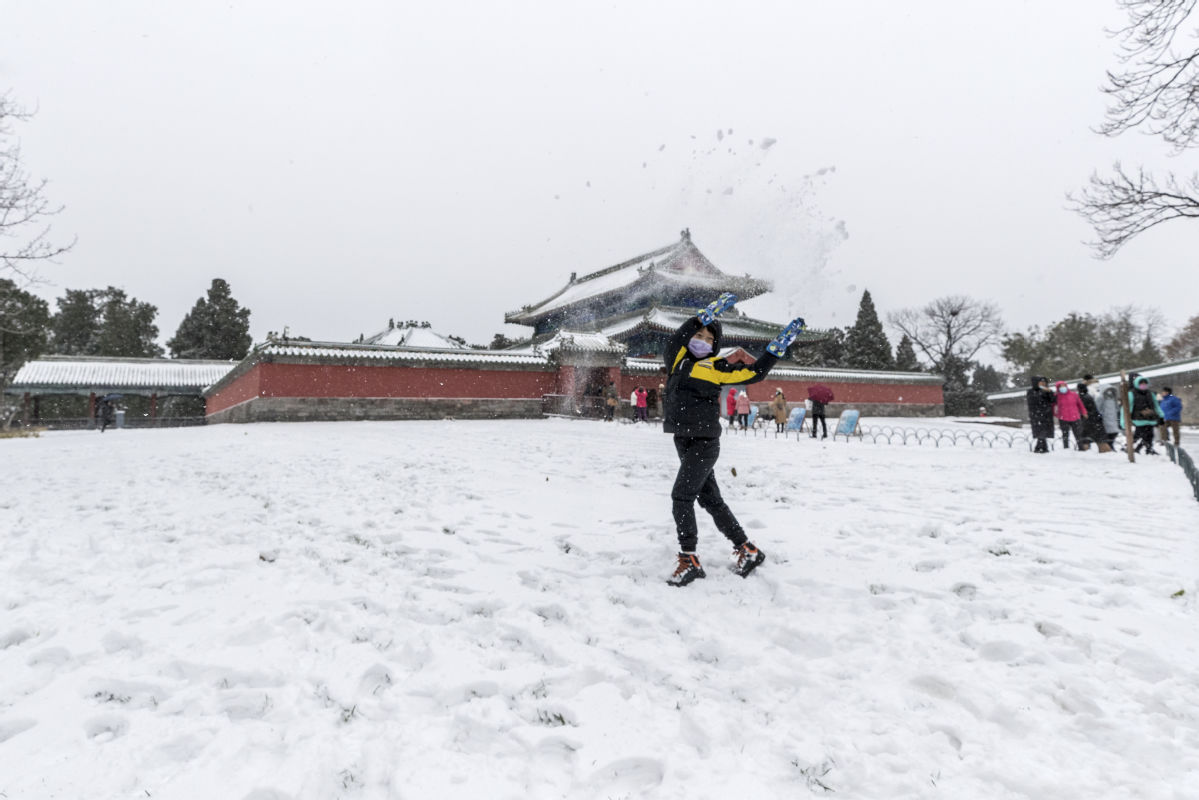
(477, 610)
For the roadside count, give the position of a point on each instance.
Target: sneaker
(748, 558)
(687, 570)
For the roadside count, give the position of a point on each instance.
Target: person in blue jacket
(1172, 412)
(692, 414)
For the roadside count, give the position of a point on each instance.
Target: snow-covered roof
(678, 262)
(412, 336)
(386, 353)
(97, 373)
(814, 373)
(669, 318)
(573, 340)
(1155, 371)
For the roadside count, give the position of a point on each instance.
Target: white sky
(340, 164)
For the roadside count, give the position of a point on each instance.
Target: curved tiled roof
(97, 373)
(388, 353)
(678, 262)
(412, 336)
(1152, 371)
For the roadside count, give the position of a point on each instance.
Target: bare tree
(950, 330)
(1157, 92)
(24, 210)
(1157, 88)
(1121, 206)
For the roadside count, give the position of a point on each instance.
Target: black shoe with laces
(748, 558)
(687, 570)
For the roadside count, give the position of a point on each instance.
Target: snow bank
(466, 610)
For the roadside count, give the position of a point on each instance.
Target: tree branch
(1122, 206)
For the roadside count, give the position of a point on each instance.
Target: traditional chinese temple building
(640, 302)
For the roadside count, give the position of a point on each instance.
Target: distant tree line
(949, 335)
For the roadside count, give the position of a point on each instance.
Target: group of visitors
(1099, 420)
(737, 408)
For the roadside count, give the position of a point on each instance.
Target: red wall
(329, 380)
(241, 389)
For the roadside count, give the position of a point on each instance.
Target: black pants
(819, 416)
(1143, 436)
(1042, 445)
(1066, 427)
(697, 481)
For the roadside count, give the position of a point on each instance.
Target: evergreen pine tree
(24, 329)
(866, 345)
(105, 322)
(826, 352)
(75, 328)
(216, 327)
(127, 326)
(905, 356)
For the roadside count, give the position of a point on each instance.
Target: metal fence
(1183, 459)
(905, 435)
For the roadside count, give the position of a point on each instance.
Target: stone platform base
(328, 409)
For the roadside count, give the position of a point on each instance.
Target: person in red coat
(641, 400)
(1070, 412)
(730, 407)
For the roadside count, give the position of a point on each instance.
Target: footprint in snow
(267, 794)
(14, 637)
(106, 727)
(1000, 651)
(12, 727)
(634, 776)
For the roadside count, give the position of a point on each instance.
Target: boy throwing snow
(692, 414)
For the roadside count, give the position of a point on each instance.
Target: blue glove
(717, 307)
(786, 337)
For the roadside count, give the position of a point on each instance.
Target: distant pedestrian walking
(1146, 413)
(1109, 410)
(1070, 413)
(105, 413)
(1040, 412)
(611, 400)
(1092, 425)
(1171, 407)
(819, 395)
(818, 416)
(641, 404)
(778, 407)
(730, 407)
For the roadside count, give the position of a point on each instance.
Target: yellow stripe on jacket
(705, 370)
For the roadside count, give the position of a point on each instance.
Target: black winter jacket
(1040, 410)
(694, 386)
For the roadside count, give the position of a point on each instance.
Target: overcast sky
(343, 163)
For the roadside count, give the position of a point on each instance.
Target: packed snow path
(477, 610)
